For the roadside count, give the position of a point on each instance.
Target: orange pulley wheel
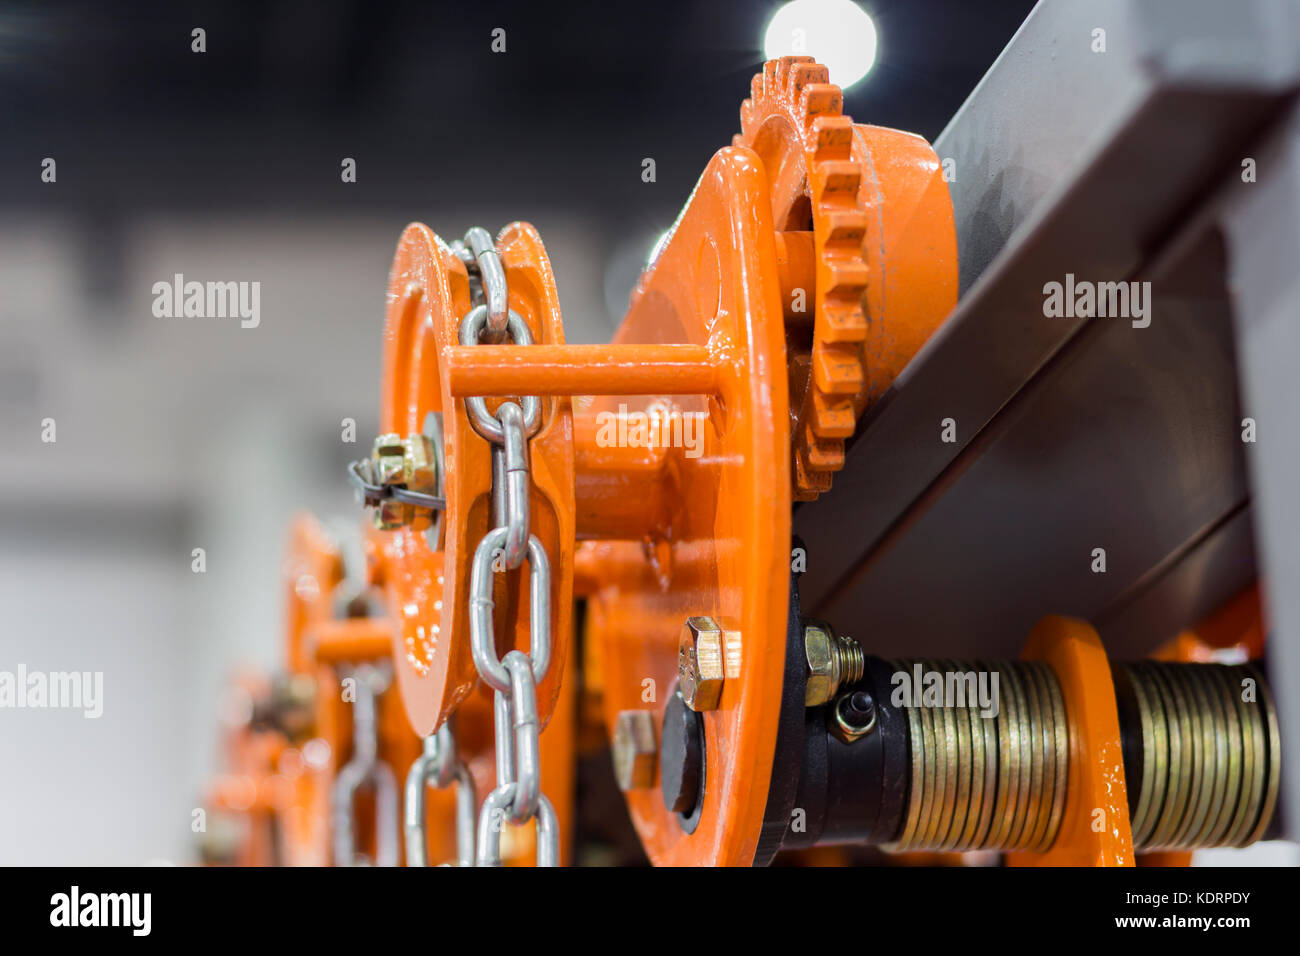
(723, 552)
(425, 571)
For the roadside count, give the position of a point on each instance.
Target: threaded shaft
(852, 661)
(1203, 753)
(990, 749)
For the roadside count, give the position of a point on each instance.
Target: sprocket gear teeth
(793, 120)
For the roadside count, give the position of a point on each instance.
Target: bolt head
(403, 461)
(388, 466)
(390, 515)
(701, 663)
(823, 664)
(418, 468)
(634, 750)
(420, 473)
(389, 457)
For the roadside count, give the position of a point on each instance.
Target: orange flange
(427, 582)
(724, 551)
(1095, 828)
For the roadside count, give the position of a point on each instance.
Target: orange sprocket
(792, 120)
(881, 218)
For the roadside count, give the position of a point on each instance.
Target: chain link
(492, 278)
(518, 795)
(471, 333)
(365, 769)
(439, 766)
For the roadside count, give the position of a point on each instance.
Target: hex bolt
(409, 462)
(634, 750)
(419, 469)
(701, 663)
(388, 458)
(833, 662)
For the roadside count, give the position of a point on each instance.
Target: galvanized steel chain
(439, 766)
(518, 795)
(365, 769)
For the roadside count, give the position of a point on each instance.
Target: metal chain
(518, 796)
(440, 767)
(479, 254)
(365, 769)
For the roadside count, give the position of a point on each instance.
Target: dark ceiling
(260, 121)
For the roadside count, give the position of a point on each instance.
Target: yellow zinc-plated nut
(389, 457)
(419, 470)
(634, 750)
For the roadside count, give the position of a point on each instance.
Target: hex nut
(389, 456)
(852, 716)
(388, 459)
(420, 473)
(403, 461)
(634, 751)
(823, 664)
(419, 469)
(701, 663)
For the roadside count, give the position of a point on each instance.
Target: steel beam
(1071, 434)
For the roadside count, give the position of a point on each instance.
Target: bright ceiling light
(836, 33)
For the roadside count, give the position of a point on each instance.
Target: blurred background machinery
(1069, 434)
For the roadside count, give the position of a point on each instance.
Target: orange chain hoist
(771, 256)
(315, 768)
(652, 479)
